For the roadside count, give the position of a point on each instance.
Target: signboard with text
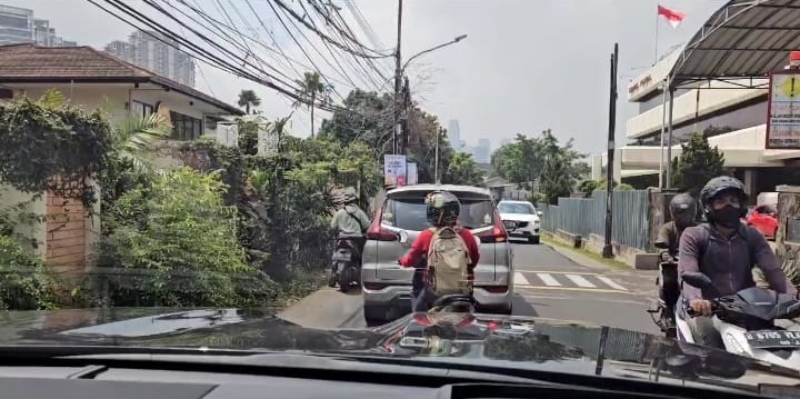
(394, 170)
(783, 109)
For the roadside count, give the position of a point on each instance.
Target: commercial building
(157, 53)
(18, 25)
(718, 89)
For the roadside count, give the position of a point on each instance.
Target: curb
(577, 258)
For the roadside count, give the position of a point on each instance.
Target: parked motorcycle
(346, 266)
(747, 322)
(668, 291)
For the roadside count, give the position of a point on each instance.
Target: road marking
(611, 283)
(520, 279)
(598, 290)
(548, 279)
(556, 272)
(580, 281)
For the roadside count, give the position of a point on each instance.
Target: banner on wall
(394, 170)
(783, 119)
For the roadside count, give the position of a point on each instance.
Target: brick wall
(66, 235)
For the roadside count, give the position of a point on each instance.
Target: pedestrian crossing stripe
(565, 280)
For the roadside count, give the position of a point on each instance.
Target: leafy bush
(180, 240)
(25, 282)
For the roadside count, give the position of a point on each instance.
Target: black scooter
(668, 292)
(346, 263)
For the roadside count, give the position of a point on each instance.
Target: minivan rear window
(410, 214)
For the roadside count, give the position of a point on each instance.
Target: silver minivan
(386, 286)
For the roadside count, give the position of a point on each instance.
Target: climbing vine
(52, 146)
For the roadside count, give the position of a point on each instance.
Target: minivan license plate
(773, 339)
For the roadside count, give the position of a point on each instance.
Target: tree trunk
(247, 108)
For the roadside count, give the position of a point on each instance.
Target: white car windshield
(410, 214)
(507, 207)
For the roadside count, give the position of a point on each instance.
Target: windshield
(187, 174)
(508, 207)
(410, 214)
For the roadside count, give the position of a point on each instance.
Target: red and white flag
(673, 17)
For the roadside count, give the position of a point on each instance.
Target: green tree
(697, 164)
(248, 99)
(556, 181)
(524, 160)
(463, 169)
(312, 88)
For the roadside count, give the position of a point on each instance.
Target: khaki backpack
(448, 263)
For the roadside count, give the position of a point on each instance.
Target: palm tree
(137, 135)
(247, 99)
(312, 88)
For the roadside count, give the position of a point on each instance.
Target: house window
(140, 108)
(185, 127)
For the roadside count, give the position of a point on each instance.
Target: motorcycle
(346, 266)
(668, 292)
(747, 320)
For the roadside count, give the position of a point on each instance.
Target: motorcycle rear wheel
(344, 276)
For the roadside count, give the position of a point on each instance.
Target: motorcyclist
(725, 250)
(350, 221)
(442, 209)
(683, 210)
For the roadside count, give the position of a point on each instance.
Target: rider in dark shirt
(683, 209)
(725, 250)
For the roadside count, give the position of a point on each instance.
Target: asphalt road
(547, 284)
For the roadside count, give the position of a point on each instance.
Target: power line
(326, 37)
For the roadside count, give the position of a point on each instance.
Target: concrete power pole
(398, 81)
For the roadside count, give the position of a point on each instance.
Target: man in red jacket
(443, 210)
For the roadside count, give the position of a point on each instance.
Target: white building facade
(731, 116)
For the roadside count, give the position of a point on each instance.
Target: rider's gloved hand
(701, 307)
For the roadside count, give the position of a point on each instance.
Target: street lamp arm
(417, 55)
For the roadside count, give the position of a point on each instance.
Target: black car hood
(513, 342)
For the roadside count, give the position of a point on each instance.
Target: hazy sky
(527, 64)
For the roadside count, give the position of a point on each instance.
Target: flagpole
(663, 129)
(656, 46)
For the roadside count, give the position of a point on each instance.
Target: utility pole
(404, 118)
(608, 251)
(398, 80)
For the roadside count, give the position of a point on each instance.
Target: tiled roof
(30, 64)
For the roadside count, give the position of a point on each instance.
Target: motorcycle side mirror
(661, 245)
(539, 213)
(510, 224)
(697, 280)
(402, 235)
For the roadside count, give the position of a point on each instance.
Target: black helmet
(683, 208)
(443, 208)
(717, 186)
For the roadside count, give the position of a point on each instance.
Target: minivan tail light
(378, 233)
(496, 234)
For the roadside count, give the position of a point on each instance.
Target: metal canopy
(742, 40)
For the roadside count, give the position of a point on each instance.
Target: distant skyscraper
(155, 52)
(17, 25)
(454, 133)
(483, 151)
(504, 142)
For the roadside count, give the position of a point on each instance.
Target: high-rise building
(505, 142)
(17, 25)
(483, 151)
(157, 53)
(454, 133)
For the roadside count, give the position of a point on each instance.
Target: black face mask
(729, 216)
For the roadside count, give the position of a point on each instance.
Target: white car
(526, 216)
